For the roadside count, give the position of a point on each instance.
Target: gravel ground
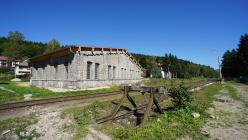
(229, 117)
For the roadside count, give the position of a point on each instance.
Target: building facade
(7, 63)
(85, 67)
(22, 68)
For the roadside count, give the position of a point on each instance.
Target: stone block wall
(70, 71)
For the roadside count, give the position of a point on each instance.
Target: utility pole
(220, 74)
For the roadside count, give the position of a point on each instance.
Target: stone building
(79, 67)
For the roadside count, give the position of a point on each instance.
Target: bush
(180, 96)
(25, 78)
(243, 79)
(5, 71)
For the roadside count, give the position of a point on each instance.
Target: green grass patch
(169, 83)
(16, 93)
(244, 122)
(232, 91)
(20, 125)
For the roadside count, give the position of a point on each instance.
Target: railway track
(21, 104)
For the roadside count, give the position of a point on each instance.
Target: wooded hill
(179, 68)
(14, 46)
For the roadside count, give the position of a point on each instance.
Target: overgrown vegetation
(176, 123)
(19, 126)
(169, 83)
(180, 96)
(83, 116)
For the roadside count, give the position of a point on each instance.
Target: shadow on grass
(4, 83)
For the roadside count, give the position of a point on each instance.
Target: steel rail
(21, 104)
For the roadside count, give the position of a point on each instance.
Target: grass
(244, 122)
(232, 92)
(82, 117)
(85, 115)
(173, 124)
(18, 92)
(169, 83)
(19, 125)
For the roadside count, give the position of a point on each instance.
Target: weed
(244, 122)
(232, 92)
(83, 116)
(180, 96)
(174, 123)
(20, 124)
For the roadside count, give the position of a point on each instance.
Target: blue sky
(195, 30)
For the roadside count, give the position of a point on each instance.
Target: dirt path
(229, 117)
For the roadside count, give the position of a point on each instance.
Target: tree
(179, 68)
(235, 62)
(16, 37)
(242, 54)
(13, 45)
(52, 45)
(151, 65)
(229, 64)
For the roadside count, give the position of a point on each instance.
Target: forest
(15, 47)
(235, 61)
(177, 67)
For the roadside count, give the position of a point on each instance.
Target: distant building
(3, 62)
(85, 67)
(168, 75)
(22, 69)
(6, 63)
(15, 63)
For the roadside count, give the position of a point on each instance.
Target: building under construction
(79, 67)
